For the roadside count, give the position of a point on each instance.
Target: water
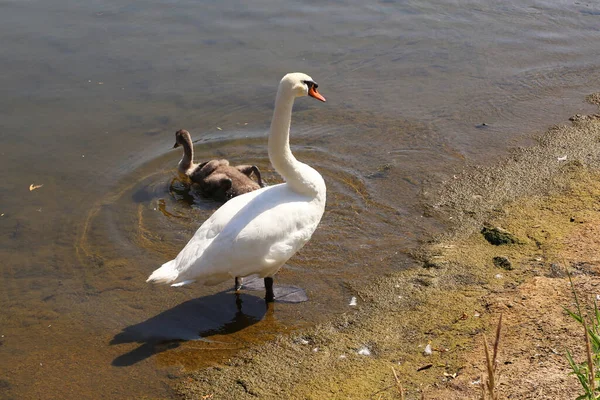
(92, 93)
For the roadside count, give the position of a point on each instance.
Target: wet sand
(453, 292)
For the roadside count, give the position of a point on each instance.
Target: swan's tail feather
(165, 274)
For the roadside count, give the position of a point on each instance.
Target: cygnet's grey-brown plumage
(216, 178)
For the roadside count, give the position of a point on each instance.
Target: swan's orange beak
(312, 92)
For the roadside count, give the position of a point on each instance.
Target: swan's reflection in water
(195, 319)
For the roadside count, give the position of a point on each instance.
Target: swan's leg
(238, 302)
(238, 283)
(269, 296)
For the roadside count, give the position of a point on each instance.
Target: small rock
(498, 236)
(353, 301)
(503, 262)
(364, 351)
(498, 276)
(556, 271)
(435, 264)
(428, 351)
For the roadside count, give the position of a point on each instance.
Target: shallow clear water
(92, 92)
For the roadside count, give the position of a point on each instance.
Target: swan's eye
(310, 84)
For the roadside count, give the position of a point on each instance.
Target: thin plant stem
(398, 384)
(588, 348)
(497, 342)
(491, 383)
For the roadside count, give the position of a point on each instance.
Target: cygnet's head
(301, 85)
(182, 137)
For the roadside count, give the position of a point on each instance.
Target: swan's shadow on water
(221, 313)
(197, 319)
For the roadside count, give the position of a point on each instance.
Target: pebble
(353, 301)
(428, 350)
(502, 262)
(364, 351)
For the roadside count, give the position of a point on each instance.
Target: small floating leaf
(219, 128)
(33, 187)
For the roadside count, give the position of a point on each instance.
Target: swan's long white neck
(295, 173)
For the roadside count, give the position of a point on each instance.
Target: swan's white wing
(255, 234)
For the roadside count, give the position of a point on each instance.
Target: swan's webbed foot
(269, 296)
(238, 283)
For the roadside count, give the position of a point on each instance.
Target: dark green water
(92, 92)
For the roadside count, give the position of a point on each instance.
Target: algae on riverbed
(452, 294)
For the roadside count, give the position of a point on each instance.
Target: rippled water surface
(91, 93)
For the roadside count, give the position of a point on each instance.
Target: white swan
(257, 232)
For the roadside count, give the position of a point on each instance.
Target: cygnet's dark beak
(176, 145)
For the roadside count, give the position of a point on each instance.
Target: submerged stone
(498, 236)
(503, 262)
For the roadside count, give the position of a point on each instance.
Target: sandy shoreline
(454, 293)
